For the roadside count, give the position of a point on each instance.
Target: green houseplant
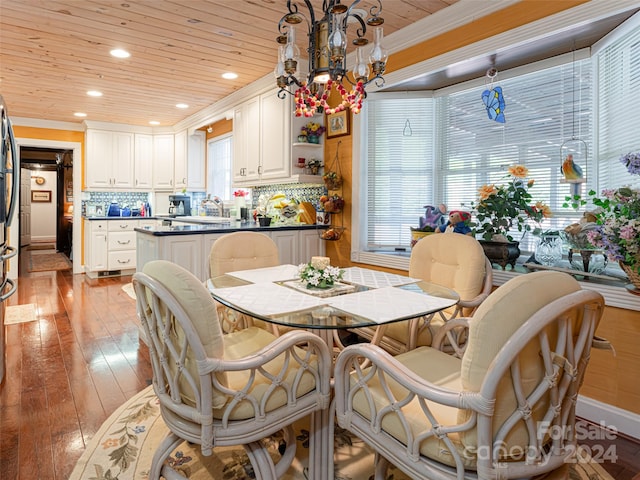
(501, 208)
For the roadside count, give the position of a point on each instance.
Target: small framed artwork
(338, 124)
(41, 195)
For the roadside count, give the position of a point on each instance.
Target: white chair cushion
(199, 305)
(245, 342)
(242, 251)
(456, 261)
(436, 367)
(495, 321)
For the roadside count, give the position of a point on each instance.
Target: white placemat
(375, 278)
(267, 274)
(389, 303)
(267, 298)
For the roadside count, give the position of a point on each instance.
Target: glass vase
(549, 250)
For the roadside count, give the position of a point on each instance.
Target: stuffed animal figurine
(457, 223)
(434, 217)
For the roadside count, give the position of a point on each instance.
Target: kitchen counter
(189, 245)
(207, 227)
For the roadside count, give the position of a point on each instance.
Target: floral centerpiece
(500, 208)
(319, 274)
(312, 131)
(618, 227)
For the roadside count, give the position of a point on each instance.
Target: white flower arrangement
(319, 276)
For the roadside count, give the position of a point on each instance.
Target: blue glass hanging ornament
(493, 99)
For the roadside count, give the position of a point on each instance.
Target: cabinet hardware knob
(124, 243)
(124, 261)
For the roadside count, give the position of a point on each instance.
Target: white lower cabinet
(192, 251)
(96, 244)
(288, 245)
(111, 245)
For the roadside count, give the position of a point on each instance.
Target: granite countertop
(122, 218)
(193, 229)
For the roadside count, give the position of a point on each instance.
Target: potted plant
(618, 228)
(313, 131)
(500, 209)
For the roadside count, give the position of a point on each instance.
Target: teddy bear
(457, 223)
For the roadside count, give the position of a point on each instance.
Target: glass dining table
(363, 298)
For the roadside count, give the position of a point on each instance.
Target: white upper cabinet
(180, 160)
(163, 161)
(196, 165)
(109, 160)
(275, 139)
(143, 164)
(261, 140)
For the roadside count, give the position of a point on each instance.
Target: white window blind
(618, 107)
(219, 166)
(543, 110)
(399, 168)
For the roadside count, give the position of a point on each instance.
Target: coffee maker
(179, 205)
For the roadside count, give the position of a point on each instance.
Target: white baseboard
(623, 421)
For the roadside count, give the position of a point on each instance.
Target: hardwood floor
(70, 369)
(67, 371)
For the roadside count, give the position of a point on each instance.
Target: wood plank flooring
(70, 369)
(67, 371)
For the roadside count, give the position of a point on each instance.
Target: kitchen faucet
(220, 205)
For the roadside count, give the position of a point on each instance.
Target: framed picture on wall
(41, 195)
(338, 124)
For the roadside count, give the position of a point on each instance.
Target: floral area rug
(123, 447)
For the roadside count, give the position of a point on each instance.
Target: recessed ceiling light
(154, 122)
(119, 53)
(229, 76)
(80, 114)
(182, 105)
(94, 93)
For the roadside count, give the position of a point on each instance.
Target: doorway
(51, 210)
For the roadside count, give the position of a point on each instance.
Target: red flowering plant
(501, 208)
(240, 193)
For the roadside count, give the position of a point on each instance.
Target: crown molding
(49, 124)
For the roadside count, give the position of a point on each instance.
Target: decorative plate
(40, 180)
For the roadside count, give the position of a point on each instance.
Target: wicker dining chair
(220, 389)
(452, 260)
(242, 251)
(505, 409)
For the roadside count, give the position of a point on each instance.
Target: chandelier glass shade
(327, 52)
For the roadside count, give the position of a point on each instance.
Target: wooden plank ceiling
(53, 52)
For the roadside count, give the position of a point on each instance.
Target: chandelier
(328, 56)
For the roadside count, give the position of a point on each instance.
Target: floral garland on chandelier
(307, 103)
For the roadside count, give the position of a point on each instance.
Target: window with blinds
(399, 167)
(219, 151)
(618, 69)
(544, 109)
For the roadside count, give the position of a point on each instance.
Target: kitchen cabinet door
(196, 165)
(311, 245)
(180, 161)
(185, 250)
(143, 161)
(163, 160)
(109, 160)
(287, 242)
(275, 136)
(246, 142)
(97, 246)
